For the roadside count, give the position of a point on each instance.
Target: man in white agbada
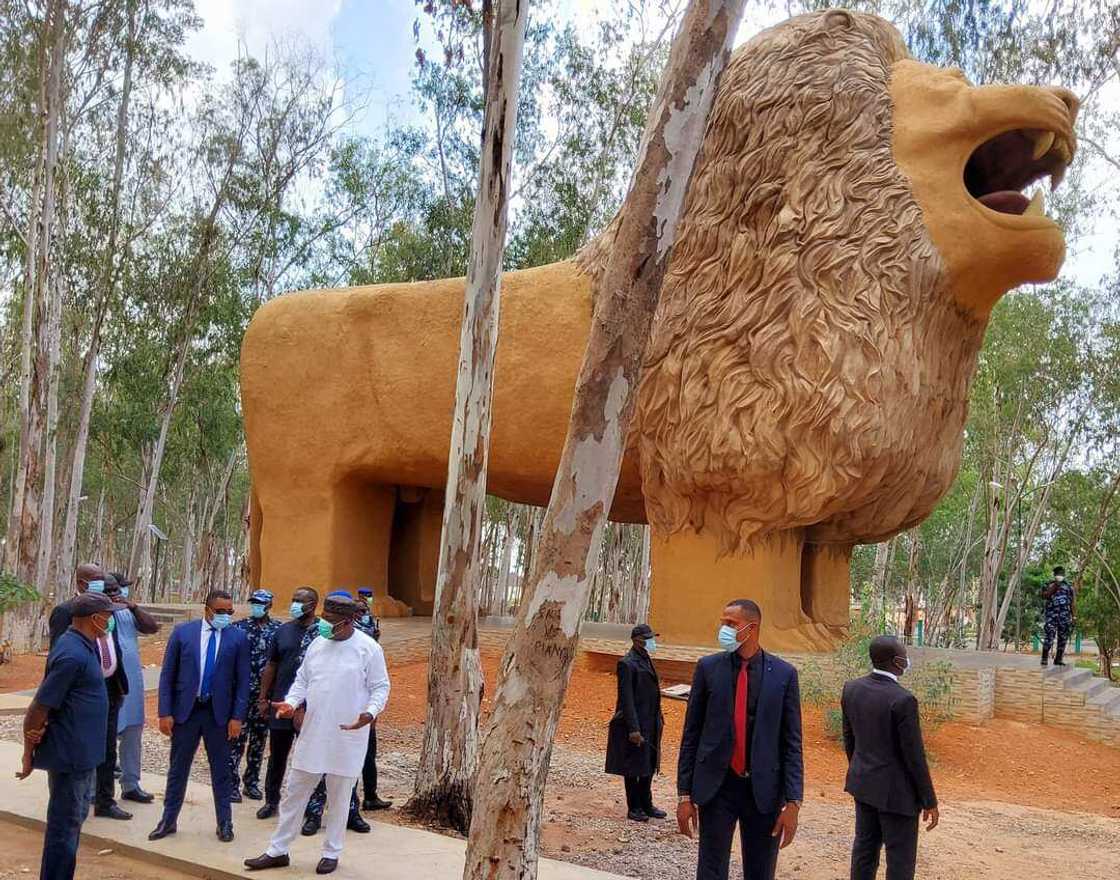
(345, 685)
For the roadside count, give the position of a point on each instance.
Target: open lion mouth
(1001, 168)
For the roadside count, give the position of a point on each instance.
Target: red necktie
(739, 755)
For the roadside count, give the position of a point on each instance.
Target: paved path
(389, 852)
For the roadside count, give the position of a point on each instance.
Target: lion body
(805, 388)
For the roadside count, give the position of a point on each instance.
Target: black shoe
(1045, 662)
(111, 812)
(654, 813)
(326, 866)
(235, 796)
(637, 816)
(357, 823)
(138, 795)
(253, 792)
(375, 803)
(1059, 663)
(225, 832)
(162, 830)
(265, 861)
(268, 811)
(310, 826)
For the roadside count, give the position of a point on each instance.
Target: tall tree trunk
(449, 755)
(106, 282)
(22, 546)
(536, 667)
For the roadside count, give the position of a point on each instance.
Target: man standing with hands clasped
(740, 760)
(203, 697)
(887, 771)
(345, 686)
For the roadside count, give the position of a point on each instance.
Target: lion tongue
(1006, 201)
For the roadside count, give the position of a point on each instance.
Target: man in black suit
(740, 760)
(634, 733)
(887, 770)
(107, 647)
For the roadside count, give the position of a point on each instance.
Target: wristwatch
(681, 798)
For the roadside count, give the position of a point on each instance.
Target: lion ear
(837, 19)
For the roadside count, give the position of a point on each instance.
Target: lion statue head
(853, 217)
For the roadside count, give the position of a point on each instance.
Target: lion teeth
(1044, 140)
(1037, 205)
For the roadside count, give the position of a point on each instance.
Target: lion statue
(853, 218)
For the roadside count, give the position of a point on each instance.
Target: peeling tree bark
(537, 663)
(449, 755)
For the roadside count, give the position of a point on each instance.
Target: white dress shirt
(885, 674)
(208, 632)
(339, 680)
(105, 649)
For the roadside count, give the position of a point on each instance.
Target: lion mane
(808, 366)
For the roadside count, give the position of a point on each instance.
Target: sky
(372, 43)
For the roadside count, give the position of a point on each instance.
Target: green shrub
(14, 592)
(834, 723)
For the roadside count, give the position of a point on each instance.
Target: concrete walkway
(389, 852)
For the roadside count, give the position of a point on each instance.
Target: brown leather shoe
(265, 861)
(326, 866)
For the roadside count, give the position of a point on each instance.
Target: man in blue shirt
(70, 705)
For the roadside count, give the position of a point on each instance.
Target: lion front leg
(692, 583)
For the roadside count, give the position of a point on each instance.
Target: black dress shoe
(357, 823)
(268, 811)
(111, 812)
(235, 796)
(310, 826)
(654, 813)
(137, 795)
(265, 861)
(326, 866)
(375, 803)
(637, 816)
(253, 792)
(162, 830)
(225, 832)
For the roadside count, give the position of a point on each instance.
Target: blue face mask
(96, 586)
(728, 638)
(221, 620)
(366, 620)
(124, 592)
(257, 610)
(112, 625)
(296, 610)
(651, 645)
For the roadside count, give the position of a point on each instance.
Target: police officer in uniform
(371, 626)
(1060, 609)
(259, 627)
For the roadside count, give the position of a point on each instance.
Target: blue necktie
(208, 666)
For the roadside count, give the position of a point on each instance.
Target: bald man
(888, 775)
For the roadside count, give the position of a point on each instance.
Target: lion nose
(1070, 100)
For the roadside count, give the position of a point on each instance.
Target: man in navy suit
(203, 696)
(740, 760)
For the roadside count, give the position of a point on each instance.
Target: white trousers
(300, 786)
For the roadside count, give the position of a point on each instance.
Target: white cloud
(229, 24)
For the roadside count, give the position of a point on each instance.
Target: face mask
(326, 630)
(1057, 577)
(221, 620)
(366, 620)
(296, 610)
(257, 610)
(651, 645)
(728, 638)
(96, 586)
(905, 666)
(124, 592)
(112, 625)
